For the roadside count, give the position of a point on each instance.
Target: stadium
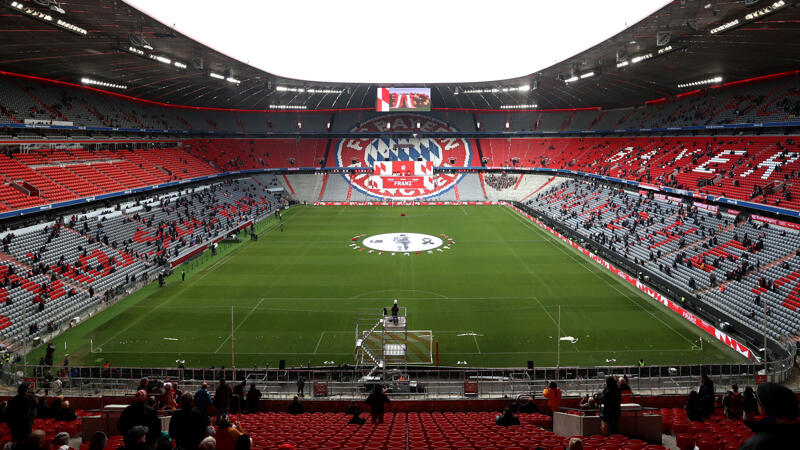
(576, 219)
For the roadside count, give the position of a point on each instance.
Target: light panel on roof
(416, 41)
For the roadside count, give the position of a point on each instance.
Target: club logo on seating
(401, 243)
(365, 152)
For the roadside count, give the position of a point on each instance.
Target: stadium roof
(415, 41)
(701, 40)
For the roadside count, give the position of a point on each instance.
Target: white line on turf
(560, 245)
(321, 335)
(476, 344)
(240, 324)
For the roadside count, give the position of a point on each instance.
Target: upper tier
(773, 101)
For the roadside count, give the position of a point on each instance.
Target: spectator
(142, 415)
(780, 428)
(208, 443)
(167, 399)
(376, 400)
(693, 410)
(553, 395)
(301, 383)
(750, 404)
(252, 398)
(61, 441)
(136, 438)
(187, 425)
(227, 433)
(202, 399)
(237, 400)
(61, 411)
(588, 402)
(611, 400)
(99, 441)
(295, 407)
(243, 442)
(733, 403)
(37, 440)
(354, 410)
(575, 443)
(507, 419)
(20, 412)
(222, 398)
(706, 394)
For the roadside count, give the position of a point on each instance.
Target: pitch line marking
(240, 324)
(321, 335)
(590, 269)
(476, 344)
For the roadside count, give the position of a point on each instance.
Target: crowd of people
(500, 181)
(204, 421)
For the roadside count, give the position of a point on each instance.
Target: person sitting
(588, 402)
(295, 407)
(780, 428)
(354, 410)
(227, 433)
(99, 441)
(61, 441)
(507, 419)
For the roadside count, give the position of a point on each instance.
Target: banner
(403, 168)
(780, 223)
(62, 123)
(403, 182)
(711, 208)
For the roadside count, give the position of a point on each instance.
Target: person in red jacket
(553, 395)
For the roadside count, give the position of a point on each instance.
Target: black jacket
(137, 413)
(611, 400)
(188, 428)
(772, 435)
(20, 412)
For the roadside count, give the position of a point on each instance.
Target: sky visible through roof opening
(413, 41)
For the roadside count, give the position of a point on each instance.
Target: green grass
(295, 296)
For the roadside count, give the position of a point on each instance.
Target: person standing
(301, 384)
(187, 425)
(395, 312)
(140, 414)
(183, 274)
(20, 413)
(706, 393)
(733, 402)
(750, 404)
(202, 399)
(376, 400)
(222, 397)
(253, 396)
(611, 409)
(553, 395)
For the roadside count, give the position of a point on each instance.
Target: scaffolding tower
(381, 341)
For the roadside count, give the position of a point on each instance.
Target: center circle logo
(365, 152)
(402, 242)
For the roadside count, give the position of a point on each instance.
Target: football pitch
(490, 296)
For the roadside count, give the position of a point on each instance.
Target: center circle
(402, 242)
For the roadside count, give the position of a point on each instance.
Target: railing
(346, 382)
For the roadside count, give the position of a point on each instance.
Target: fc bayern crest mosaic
(365, 152)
